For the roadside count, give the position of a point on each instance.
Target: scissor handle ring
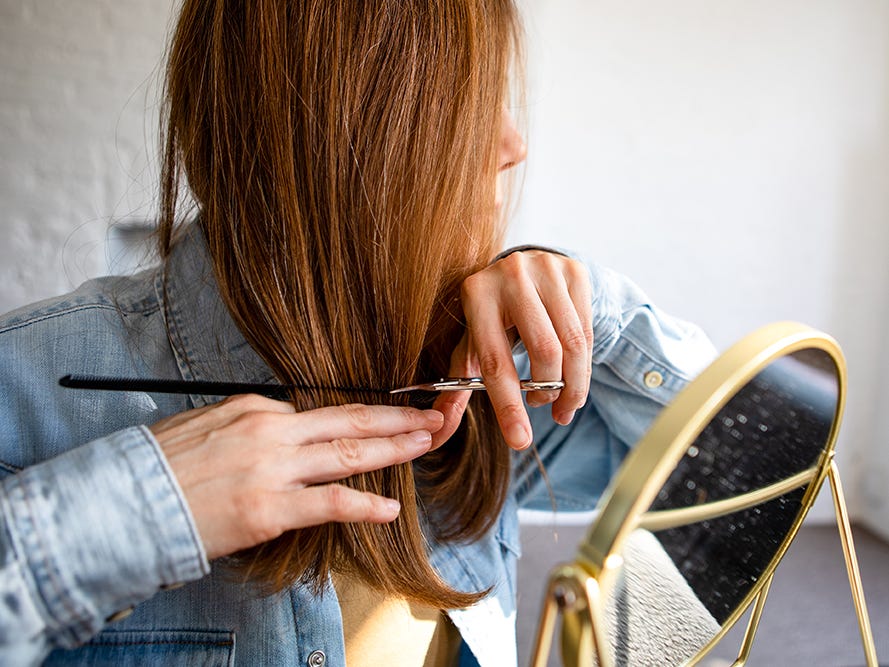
(464, 384)
(546, 385)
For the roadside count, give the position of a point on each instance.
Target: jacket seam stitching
(50, 316)
(666, 366)
(631, 383)
(45, 557)
(9, 467)
(161, 642)
(36, 319)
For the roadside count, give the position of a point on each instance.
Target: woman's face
(511, 151)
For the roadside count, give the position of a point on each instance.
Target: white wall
(731, 156)
(77, 124)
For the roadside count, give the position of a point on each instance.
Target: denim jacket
(100, 561)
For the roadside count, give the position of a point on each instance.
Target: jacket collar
(206, 342)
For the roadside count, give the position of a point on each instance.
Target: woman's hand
(252, 468)
(545, 299)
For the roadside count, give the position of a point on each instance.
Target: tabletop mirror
(692, 527)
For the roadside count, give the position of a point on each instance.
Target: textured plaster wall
(77, 123)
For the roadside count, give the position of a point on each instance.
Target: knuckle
(491, 364)
(244, 402)
(339, 502)
(514, 259)
(550, 260)
(575, 341)
(471, 283)
(475, 288)
(574, 395)
(256, 424)
(360, 416)
(576, 270)
(547, 349)
(512, 412)
(514, 265)
(349, 454)
(408, 413)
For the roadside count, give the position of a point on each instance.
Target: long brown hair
(343, 158)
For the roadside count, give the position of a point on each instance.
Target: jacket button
(317, 659)
(653, 379)
(119, 615)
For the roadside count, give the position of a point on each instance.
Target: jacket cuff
(530, 246)
(100, 529)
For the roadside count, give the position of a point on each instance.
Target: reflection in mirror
(776, 426)
(652, 616)
(700, 513)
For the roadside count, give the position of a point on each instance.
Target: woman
(344, 161)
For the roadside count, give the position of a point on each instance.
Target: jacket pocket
(128, 648)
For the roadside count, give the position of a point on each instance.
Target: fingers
(537, 329)
(487, 327)
(452, 404)
(344, 457)
(316, 425)
(574, 339)
(332, 502)
(236, 460)
(313, 502)
(361, 421)
(251, 515)
(547, 299)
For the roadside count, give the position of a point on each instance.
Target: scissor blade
(428, 386)
(476, 384)
(445, 384)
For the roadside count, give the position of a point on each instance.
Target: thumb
(452, 404)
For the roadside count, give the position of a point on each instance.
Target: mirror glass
(775, 426)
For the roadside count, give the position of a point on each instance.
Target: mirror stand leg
(845, 529)
(595, 607)
(573, 595)
(753, 624)
(546, 626)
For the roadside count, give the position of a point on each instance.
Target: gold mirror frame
(578, 591)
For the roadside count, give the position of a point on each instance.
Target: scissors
(476, 384)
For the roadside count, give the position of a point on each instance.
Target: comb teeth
(198, 387)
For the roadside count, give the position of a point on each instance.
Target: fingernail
(565, 418)
(518, 436)
(434, 415)
(392, 505)
(421, 438)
